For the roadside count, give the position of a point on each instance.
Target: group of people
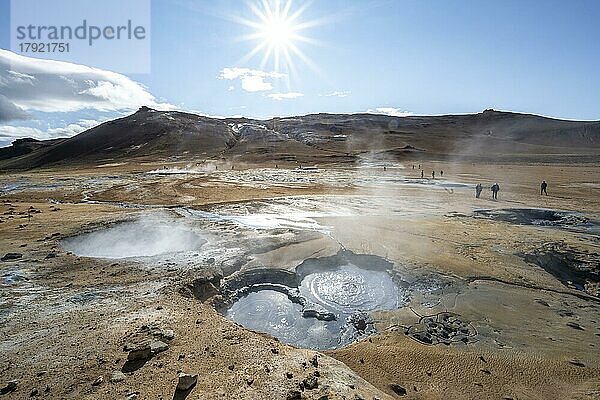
(432, 172)
(495, 188)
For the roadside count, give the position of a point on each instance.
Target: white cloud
(252, 80)
(73, 129)
(16, 132)
(337, 93)
(32, 84)
(391, 111)
(288, 95)
(9, 132)
(255, 83)
(10, 111)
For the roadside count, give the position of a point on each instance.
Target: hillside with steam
(152, 135)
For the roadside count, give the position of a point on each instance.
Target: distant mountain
(317, 138)
(24, 146)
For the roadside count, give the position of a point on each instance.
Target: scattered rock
(42, 373)
(310, 382)
(98, 381)
(117, 376)
(399, 390)
(576, 362)
(167, 334)
(231, 367)
(289, 375)
(186, 381)
(575, 325)
(11, 386)
(294, 395)
(314, 361)
(50, 255)
(34, 392)
(132, 396)
(157, 346)
(11, 256)
(139, 352)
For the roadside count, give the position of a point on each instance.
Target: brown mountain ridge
(316, 138)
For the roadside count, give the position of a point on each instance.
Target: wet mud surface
(542, 217)
(574, 268)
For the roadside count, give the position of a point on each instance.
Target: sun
(277, 30)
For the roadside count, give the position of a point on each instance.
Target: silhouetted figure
(441, 173)
(543, 188)
(419, 166)
(478, 190)
(384, 168)
(413, 166)
(432, 174)
(495, 189)
(421, 173)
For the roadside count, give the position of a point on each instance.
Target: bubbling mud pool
(139, 238)
(327, 311)
(326, 303)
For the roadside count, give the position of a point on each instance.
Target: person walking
(441, 173)
(432, 174)
(421, 173)
(495, 189)
(543, 188)
(478, 190)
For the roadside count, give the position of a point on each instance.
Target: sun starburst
(277, 31)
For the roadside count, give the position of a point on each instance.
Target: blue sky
(418, 57)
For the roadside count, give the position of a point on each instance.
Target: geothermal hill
(318, 138)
